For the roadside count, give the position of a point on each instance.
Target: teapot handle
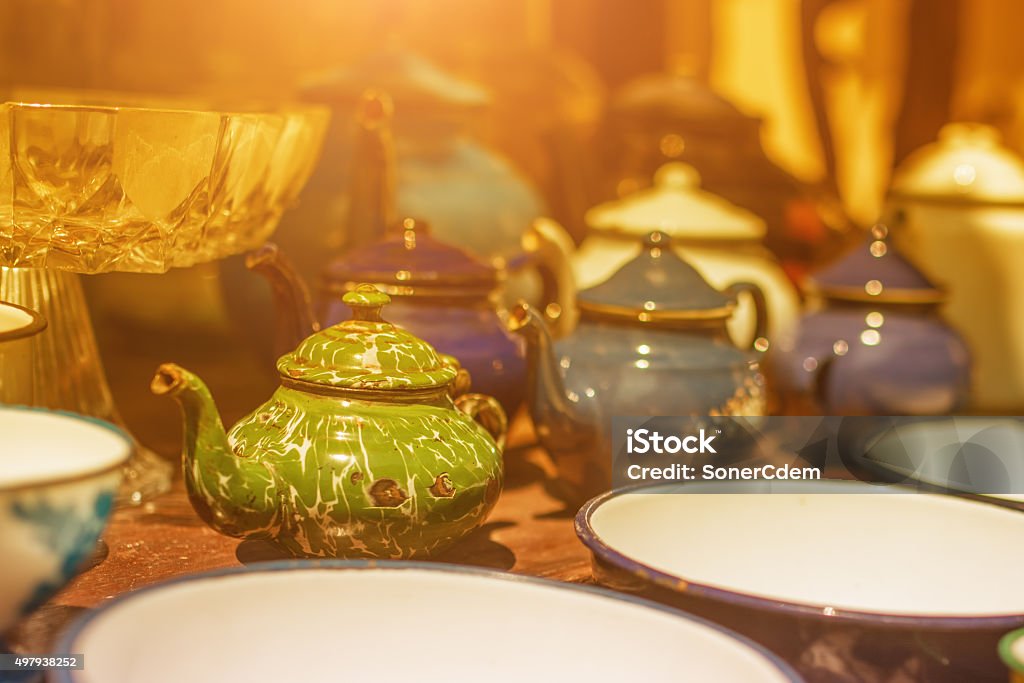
(295, 317)
(760, 309)
(488, 413)
(460, 385)
(548, 247)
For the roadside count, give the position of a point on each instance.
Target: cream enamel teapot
(961, 200)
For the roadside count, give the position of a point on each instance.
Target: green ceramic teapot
(369, 448)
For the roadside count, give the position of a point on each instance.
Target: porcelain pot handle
(760, 310)
(548, 247)
(488, 412)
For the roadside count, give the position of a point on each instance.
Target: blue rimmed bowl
(389, 621)
(59, 473)
(857, 580)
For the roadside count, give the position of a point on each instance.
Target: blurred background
(806, 107)
(846, 88)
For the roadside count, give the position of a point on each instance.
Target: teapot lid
(679, 97)
(967, 164)
(412, 82)
(409, 260)
(657, 286)
(875, 272)
(367, 352)
(678, 207)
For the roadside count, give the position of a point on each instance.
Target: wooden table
(529, 531)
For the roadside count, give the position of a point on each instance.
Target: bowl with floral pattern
(59, 473)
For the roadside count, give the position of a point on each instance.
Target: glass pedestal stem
(67, 370)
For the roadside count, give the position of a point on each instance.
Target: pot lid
(413, 82)
(367, 352)
(657, 286)
(411, 257)
(678, 207)
(679, 97)
(968, 164)
(876, 272)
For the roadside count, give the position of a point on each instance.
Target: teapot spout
(295, 315)
(235, 496)
(554, 417)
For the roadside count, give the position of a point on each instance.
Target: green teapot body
(379, 462)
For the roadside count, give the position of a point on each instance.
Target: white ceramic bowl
(18, 326)
(58, 476)
(18, 322)
(910, 559)
(391, 621)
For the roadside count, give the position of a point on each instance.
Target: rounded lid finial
(411, 228)
(960, 132)
(366, 301)
(677, 175)
(375, 109)
(657, 240)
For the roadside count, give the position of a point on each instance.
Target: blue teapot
(650, 340)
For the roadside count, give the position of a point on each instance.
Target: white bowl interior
(12, 318)
(890, 553)
(399, 624)
(38, 446)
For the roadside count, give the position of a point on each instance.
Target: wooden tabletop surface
(529, 531)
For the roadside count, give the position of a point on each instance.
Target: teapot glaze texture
(651, 340)
(369, 447)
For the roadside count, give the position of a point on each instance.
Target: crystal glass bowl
(95, 187)
(96, 182)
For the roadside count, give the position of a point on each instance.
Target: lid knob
(411, 229)
(655, 241)
(375, 109)
(366, 302)
(658, 286)
(970, 133)
(677, 176)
